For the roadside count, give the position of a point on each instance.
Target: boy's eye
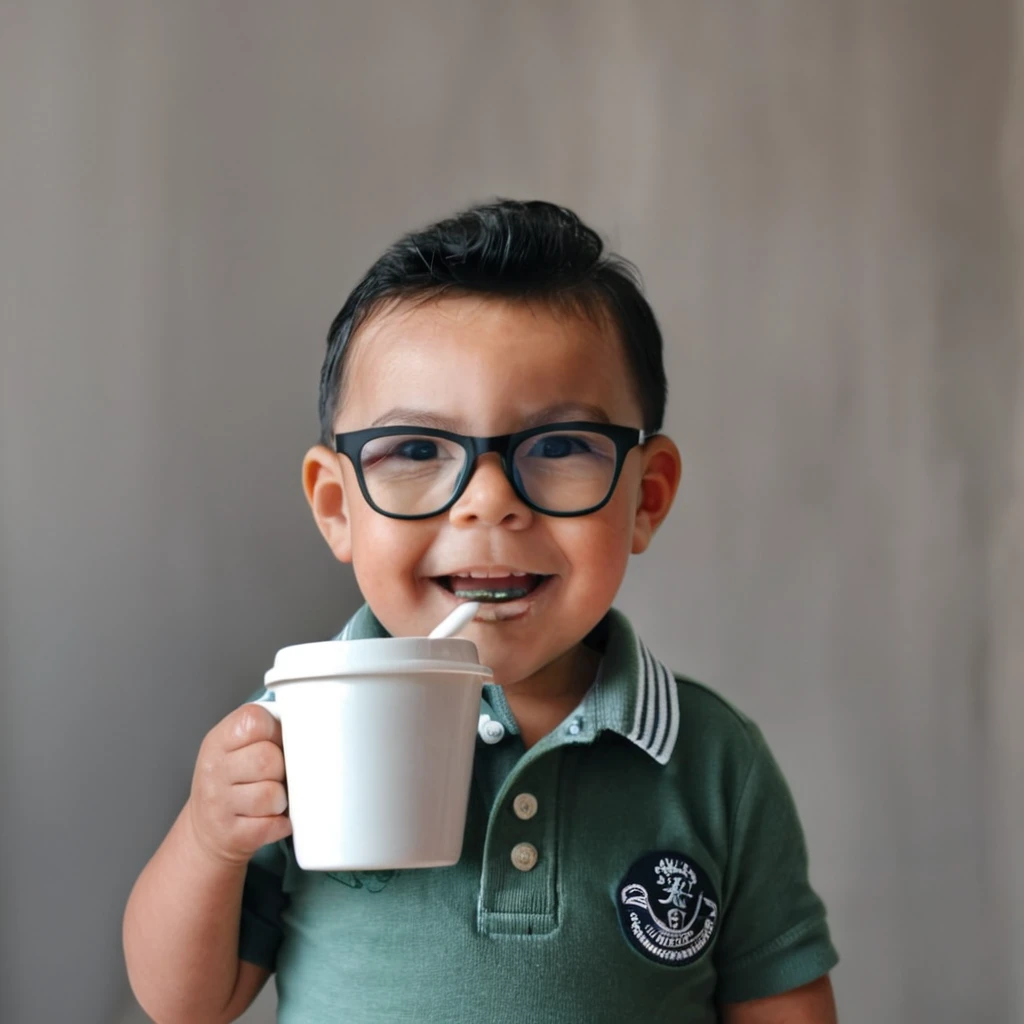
(420, 449)
(404, 452)
(558, 446)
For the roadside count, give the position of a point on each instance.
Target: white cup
(379, 738)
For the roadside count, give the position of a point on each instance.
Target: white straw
(456, 622)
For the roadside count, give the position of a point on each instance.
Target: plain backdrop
(825, 199)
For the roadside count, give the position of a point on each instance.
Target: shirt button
(525, 806)
(490, 730)
(524, 856)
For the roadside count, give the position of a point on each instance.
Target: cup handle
(270, 705)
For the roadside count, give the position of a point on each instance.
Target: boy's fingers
(258, 762)
(249, 724)
(257, 832)
(259, 799)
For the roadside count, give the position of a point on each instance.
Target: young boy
(490, 405)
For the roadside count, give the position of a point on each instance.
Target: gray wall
(825, 199)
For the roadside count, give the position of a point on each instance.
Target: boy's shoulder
(672, 716)
(705, 705)
(712, 727)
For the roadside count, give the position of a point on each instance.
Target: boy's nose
(489, 498)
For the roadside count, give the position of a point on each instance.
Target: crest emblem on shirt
(668, 908)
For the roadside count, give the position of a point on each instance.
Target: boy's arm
(809, 1004)
(181, 925)
(181, 935)
(773, 937)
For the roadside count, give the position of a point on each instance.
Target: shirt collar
(634, 695)
(364, 625)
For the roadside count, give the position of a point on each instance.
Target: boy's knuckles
(267, 798)
(209, 764)
(206, 789)
(262, 760)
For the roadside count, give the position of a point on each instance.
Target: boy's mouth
(494, 587)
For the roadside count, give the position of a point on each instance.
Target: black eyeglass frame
(625, 439)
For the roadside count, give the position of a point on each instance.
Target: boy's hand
(238, 796)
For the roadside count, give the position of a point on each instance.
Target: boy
(490, 405)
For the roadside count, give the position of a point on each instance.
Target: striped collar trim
(635, 694)
(656, 718)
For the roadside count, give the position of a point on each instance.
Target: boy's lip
(501, 610)
(484, 571)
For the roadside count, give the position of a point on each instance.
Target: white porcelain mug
(379, 737)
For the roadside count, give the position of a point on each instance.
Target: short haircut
(510, 250)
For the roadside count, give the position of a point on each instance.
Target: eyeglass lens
(417, 474)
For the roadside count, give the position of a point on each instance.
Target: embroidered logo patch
(668, 908)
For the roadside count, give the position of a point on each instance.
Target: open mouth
(495, 589)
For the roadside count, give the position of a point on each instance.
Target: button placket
(524, 854)
(518, 892)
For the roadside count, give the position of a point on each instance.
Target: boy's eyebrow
(561, 413)
(415, 418)
(565, 412)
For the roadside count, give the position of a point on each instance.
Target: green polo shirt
(643, 861)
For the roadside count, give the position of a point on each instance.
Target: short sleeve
(263, 902)
(774, 936)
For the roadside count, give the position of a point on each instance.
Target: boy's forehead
(491, 359)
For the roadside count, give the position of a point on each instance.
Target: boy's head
(529, 252)
(501, 321)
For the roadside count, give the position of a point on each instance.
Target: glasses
(561, 469)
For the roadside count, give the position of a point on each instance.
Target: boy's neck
(541, 701)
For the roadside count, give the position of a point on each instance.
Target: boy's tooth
(492, 586)
(483, 574)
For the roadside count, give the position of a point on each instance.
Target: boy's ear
(325, 491)
(662, 470)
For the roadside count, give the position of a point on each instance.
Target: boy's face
(482, 366)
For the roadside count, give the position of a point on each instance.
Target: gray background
(826, 201)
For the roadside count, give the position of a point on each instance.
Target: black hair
(513, 250)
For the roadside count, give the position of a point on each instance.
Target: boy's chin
(509, 667)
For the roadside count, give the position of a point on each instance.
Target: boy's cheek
(385, 559)
(599, 558)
